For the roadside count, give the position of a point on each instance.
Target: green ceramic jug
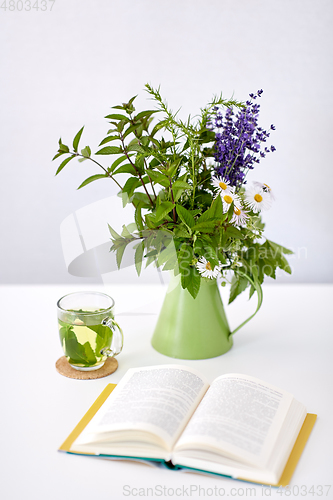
(189, 328)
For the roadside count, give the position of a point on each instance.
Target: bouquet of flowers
(194, 213)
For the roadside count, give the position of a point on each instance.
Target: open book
(238, 426)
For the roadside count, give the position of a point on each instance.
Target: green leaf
(109, 150)
(159, 126)
(77, 139)
(181, 184)
(104, 336)
(117, 162)
(152, 253)
(171, 265)
(77, 352)
(138, 216)
(130, 185)
(185, 257)
(206, 216)
(131, 100)
(230, 212)
(118, 107)
(166, 254)
(125, 198)
(135, 147)
(261, 265)
(114, 234)
(280, 247)
(125, 169)
(217, 208)
(158, 178)
(129, 130)
(144, 114)
(181, 232)
(58, 154)
(221, 257)
(185, 277)
(92, 179)
(116, 116)
(177, 194)
(150, 220)
(173, 169)
(141, 198)
(283, 264)
(140, 164)
(204, 227)
(185, 216)
(126, 231)
(64, 163)
(269, 267)
(86, 152)
(232, 232)
(139, 256)
(194, 282)
(252, 255)
(163, 210)
(109, 139)
(238, 285)
(62, 147)
(119, 253)
(64, 331)
(90, 355)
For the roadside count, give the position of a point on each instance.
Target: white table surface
(288, 344)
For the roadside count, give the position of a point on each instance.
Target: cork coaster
(64, 368)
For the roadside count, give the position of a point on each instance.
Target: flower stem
(173, 201)
(101, 166)
(137, 171)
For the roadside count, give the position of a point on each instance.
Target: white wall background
(64, 68)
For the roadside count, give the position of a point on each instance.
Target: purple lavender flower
(238, 141)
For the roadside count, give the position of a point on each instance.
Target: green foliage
(84, 353)
(185, 216)
(238, 285)
(77, 139)
(164, 169)
(91, 179)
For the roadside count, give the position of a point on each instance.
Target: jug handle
(258, 289)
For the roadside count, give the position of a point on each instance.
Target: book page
(241, 416)
(159, 400)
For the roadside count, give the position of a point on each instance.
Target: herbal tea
(82, 342)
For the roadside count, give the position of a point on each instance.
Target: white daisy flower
(239, 217)
(222, 185)
(205, 269)
(265, 188)
(258, 199)
(228, 198)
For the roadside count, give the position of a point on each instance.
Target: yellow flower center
(227, 199)
(237, 211)
(258, 198)
(208, 266)
(222, 185)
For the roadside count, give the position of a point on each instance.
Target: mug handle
(117, 338)
(258, 289)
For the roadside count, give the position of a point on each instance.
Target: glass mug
(87, 329)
